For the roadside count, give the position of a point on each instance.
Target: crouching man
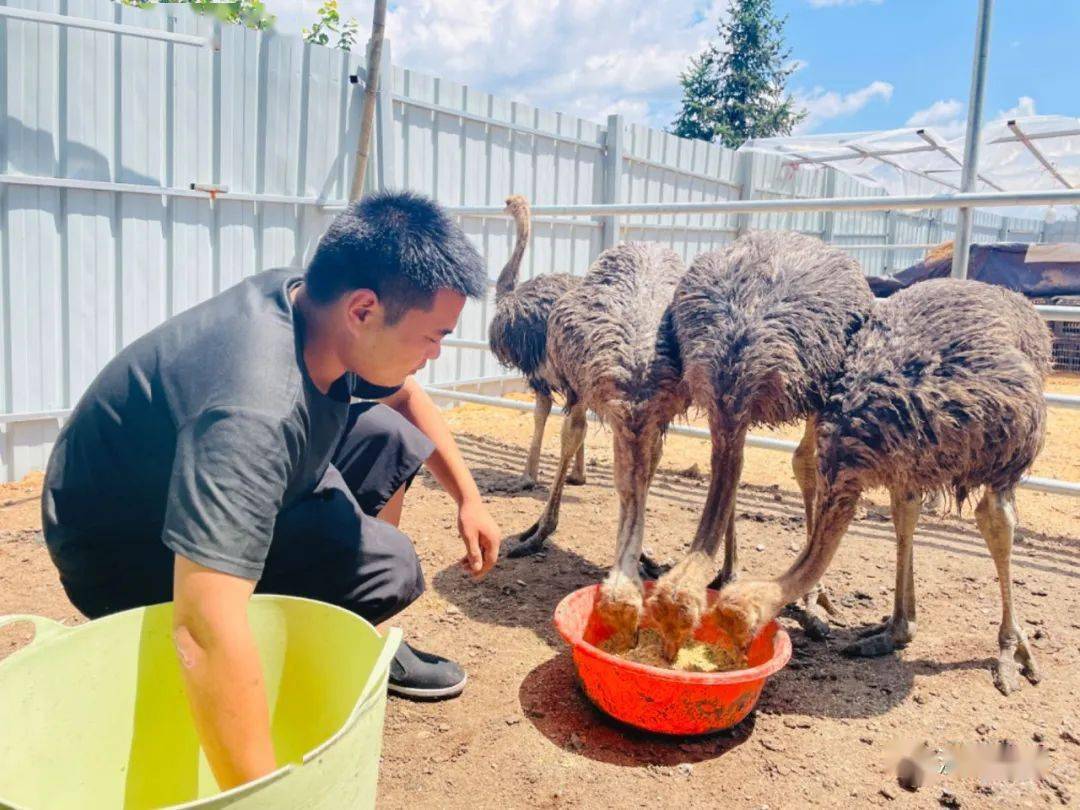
(222, 454)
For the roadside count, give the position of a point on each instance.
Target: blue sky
(924, 49)
(866, 64)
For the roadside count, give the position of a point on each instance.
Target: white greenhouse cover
(1026, 154)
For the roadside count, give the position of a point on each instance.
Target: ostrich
(518, 336)
(762, 328)
(611, 348)
(942, 390)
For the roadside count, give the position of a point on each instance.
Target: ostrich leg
(900, 629)
(811, 609)
(620, 602)
(730, 569)
(678, 601)
(996, 518)
(532, 539)
(532, 464)
(577, 477)
(648, 568)
(804, 465)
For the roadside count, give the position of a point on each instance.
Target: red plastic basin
(664, 700)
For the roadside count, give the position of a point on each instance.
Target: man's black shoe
(424, 676)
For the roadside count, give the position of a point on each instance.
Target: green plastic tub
(95, 716)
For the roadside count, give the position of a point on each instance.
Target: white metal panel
(34, 248)
(277, 165)
(34, 368)
(189, 158)
(91, 314)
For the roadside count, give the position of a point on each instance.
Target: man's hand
(481, 536)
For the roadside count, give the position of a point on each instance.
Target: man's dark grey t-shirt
(196, 436)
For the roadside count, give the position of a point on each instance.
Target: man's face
(385, 354)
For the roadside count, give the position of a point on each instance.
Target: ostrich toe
(881, 639)
(530, 541)
(1015, 659)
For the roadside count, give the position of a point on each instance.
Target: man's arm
(222, 672)
(478, 530)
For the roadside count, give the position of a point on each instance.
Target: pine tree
(696, 118)
(735, 89)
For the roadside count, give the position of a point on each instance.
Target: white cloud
(834, 3)
(823, 105)
(949, 116)
(583, 57)
(944, 115)
(1025, 106)
(939, 112)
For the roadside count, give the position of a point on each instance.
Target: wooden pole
(371, 86)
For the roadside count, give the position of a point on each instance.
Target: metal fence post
(613, 163)
(936, 227)
(828, 224)
(890, 239)
(384, 120)
(961, 248)
(745, 179)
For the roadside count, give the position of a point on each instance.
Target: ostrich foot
(1015, 659)
(620, 607)
(874, 629)
(529, 541)
(677, 602)
(743, 609)
(648, 568)
(675, 612)
(813, 612)
(881, 640)
(575, 480)
(725, 577)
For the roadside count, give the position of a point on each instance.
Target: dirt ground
(827, 729)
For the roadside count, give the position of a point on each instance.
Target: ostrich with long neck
(942, 391)
(518, 336)
(612, 349)
(762, 326)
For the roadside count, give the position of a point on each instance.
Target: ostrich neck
(508, 278)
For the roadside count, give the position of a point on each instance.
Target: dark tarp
(1002, 264)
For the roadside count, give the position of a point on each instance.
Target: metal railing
(194, 191)
(979, 199)
(1050, 485)
(101, 25)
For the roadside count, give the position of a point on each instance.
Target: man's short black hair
(399, 244)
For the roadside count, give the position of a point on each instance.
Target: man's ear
(362, 304)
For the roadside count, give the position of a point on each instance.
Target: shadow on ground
(554, 703)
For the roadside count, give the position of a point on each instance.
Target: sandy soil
(826, 729)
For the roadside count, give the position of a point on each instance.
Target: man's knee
(390, 584)
(379, 454)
